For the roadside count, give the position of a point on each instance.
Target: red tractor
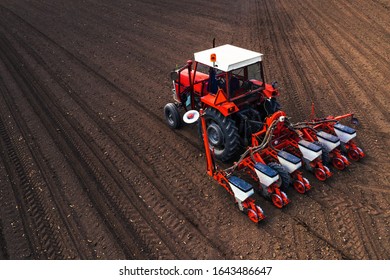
(228, 83)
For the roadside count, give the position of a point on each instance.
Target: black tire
(283, 174)
(343, 148)
(172, 115)
(223, 135)
(325, 152)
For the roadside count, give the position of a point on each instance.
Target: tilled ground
(89, 169)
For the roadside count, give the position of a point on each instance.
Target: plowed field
(90, 170)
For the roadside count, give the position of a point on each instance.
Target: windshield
(238, 79)
(249, 72)
(254, 72)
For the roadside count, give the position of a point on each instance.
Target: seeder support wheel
(338, 163)
(361, 153)
(253, 216)
(307, 184)
(256, 214)
(299, 186)
(277, 200)
(320, 174)
(355, 154)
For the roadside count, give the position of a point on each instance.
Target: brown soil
(89, 170)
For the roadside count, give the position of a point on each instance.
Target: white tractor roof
(228, 57)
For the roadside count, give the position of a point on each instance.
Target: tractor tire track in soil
(121, 142)
(3, 245)
(103, 175)
(26, 191)
(51, 179)
(47, 105)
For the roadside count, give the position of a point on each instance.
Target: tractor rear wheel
(172, 115)
(285, 178)
(222, 135)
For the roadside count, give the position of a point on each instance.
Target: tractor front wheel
(172, 115)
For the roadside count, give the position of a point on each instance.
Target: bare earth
(89, 169)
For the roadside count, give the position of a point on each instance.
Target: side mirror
(191, 116)
(174, 75)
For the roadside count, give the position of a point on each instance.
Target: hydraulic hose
(251, 150)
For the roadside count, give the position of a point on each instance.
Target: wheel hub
(215, 135)
(253, 216)
(277, 200)
(170, 118)
(353, 155)
(338, 163)
(299, 186)
(320, 174)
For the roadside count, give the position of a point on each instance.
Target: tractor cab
(228, 83)
(227, 77)
(231, 69)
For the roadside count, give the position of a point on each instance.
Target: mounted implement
(237, 187)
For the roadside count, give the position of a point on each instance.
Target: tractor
(228, 83)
